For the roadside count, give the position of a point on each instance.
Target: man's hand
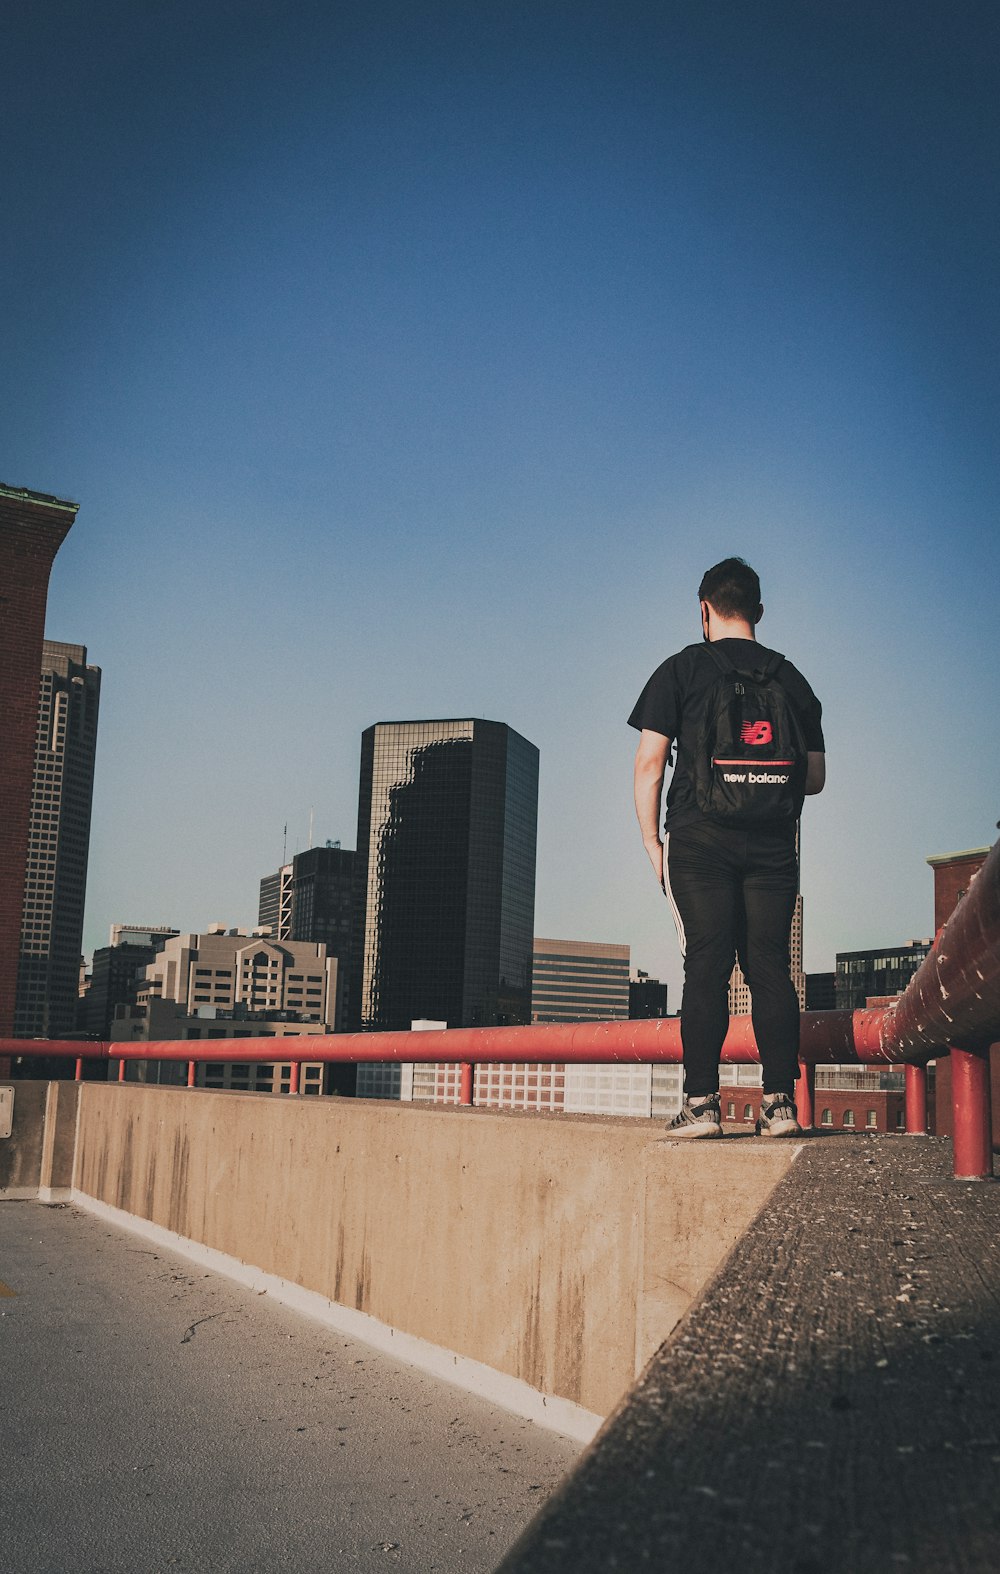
(650, 767)
(655, 851)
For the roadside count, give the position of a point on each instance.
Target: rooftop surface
(158, 1416)
(831, 1403)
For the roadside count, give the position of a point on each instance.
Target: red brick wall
(889, 1107)
(951, 881)
(31, 532)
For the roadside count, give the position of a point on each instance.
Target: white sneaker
(777, 1117)
(697, 1118)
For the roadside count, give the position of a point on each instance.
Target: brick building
(33, 526)
(847, 1099)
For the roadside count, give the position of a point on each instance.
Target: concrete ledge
(829, 1404)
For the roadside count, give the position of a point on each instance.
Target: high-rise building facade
(821, 991)
(141, 934)
(227, 978)
(647, 997)
(321, 908)
(274, 910)
(579, 981)
(33, 526)
(588, 981)
(116, 971)
(227, 984)
(55, 885)
(883, 971)
(739, 989)
(445, 870)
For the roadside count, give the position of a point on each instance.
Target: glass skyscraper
(445, 872)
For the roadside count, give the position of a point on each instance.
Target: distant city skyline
(417, 361)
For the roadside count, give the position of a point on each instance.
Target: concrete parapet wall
(559, 1251)
(36, 1160)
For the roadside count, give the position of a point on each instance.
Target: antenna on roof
(284, 846)
(312, 816)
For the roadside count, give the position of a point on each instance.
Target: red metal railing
(951, 1006)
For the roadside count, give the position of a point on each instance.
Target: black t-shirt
(670, 703)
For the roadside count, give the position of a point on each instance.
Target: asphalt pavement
(156, 1416)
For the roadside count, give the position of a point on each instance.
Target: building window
(848, 1117)
(826, 1119)
(872, 1120)
(748, 1112)
(900, 1120)
(730, 1110)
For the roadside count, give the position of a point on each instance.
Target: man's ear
(760, 612)
(705, 609)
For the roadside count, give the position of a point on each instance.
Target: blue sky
(416, 360)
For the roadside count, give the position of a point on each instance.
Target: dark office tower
(275, 908)
(862, 975)
(118, 970)
(821, 992)
(322, 889)
(447, 820)
(56, 882)
(647, 997)
(32, 528)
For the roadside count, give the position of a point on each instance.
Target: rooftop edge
(37, 497)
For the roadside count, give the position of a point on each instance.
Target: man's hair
(732, 589)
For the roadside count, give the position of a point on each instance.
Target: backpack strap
(772, 664)
(763, 672)
(720, 658)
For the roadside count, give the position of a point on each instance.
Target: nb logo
(756, 732)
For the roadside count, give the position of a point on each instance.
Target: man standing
(749, 747)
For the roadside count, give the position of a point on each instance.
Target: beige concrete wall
(38, 1154)
(62, 1103)
(556, 1250)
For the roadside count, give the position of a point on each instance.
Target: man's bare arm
(650, 768)
(815, 773)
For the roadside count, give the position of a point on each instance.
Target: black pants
(733, 895)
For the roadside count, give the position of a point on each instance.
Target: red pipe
(954, 998)
(805, 1097)
(971, 1115)
(465, 1082)
(916, 1101)
(191, 1074)
(293, 1078)
(121, 1071)
(827, 1037)
(78, 1077)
